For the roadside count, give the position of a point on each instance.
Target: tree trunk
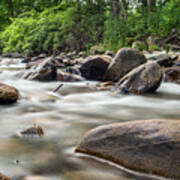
(115, 6)
(151, 5)
(123, 9)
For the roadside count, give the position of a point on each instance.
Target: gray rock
(150, 146)
(143, 79)
(125, 60)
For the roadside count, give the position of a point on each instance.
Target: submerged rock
(33, 130)
(150, 146)
(94, 67)
(125, 60)
(8, 94)
(144, 79)
(45, 70)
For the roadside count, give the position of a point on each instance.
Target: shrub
(51, 30)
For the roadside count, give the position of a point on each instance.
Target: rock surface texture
(8, 94)
(172, 74)
(125, 60)
(151, 146)
(43, 71)
(143, 79)
(94, 67)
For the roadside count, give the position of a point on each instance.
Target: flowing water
(65, 117)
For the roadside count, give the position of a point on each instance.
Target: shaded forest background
(48, 26)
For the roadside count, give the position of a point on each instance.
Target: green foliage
(51, 30)
(169, 18)
(115, 32)
(40, 26)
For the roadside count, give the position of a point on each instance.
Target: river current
(65, 116)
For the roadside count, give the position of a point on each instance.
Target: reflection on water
(65, 117)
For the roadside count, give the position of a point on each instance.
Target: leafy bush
(170, 18)
(115, 32)
(79, 25)
(51, 30)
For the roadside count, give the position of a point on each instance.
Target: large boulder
(125, 60)
(143, 79)
(8, 94)
(150, 146)
(43, 70)
(94, 67)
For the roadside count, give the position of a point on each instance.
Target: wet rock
(157, 55)
(30, 64)
(150, 146)
(33, 130)
(36, 58)
(143, 79)
(172, 74)
(3, 177)
(67, 77)
(26, 60)
(73, 70)
(44, 70)
(94, 67)
(166, 62)
(8, 94)
(162, 58)
(108, 85)
(125, 60)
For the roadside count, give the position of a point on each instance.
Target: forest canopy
(33, 27)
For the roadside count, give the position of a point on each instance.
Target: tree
(115, 8)
(123, 9)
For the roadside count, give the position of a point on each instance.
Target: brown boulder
(144, 79)
(8, 94)
(94, 67)
(125, 60)
(150, 146)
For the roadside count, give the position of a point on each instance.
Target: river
(65, 117)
